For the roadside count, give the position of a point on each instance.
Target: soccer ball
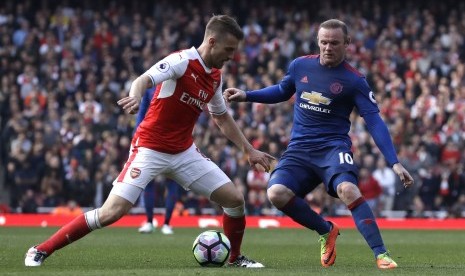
(211, 248)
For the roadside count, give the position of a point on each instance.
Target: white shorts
(190, 169)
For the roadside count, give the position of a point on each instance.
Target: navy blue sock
(300, 212)
(149, 200)
(171, 198)
(367, 226)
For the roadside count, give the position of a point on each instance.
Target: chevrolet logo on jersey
(315, 98)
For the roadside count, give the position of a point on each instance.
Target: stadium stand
(63, 65)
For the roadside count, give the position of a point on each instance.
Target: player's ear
(348, 40)
(211, 41)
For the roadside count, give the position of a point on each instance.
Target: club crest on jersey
(215, 85)
(315, 98)
(135, 172)
(335, 88)
(163, 66)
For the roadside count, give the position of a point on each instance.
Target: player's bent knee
(233, 201)
(279, 195)
(227, 196)
(348, 192)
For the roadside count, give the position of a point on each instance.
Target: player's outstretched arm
(382, 138)
(230, 129)
(234, 95)
(131, 103)
(403, 174)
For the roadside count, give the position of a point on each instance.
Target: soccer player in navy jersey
(326, 90)
(149, 192)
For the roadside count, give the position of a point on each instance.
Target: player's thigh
(189, 168)
(126, 191)
(337, 160)
(338, 167)
(298, 177)
(141, 167)
(216, 186)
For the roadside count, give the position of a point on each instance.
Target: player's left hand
(130, 104)
(258, 158)
(403, 174)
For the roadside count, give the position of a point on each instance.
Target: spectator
(29, 202)
(257, 182)
(386, 178)
(454, 187)
(27, 81)
(429, 189)
(71, 208)
(370, 189)
(416, 71)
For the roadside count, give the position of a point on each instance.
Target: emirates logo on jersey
(135, 172)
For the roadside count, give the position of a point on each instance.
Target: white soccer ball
(211, 248)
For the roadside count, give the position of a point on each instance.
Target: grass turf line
(123, 251)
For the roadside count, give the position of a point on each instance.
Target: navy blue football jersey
(324, 100)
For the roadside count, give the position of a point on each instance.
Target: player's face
(332, 45)
(223, 50)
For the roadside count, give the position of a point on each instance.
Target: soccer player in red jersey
(186, 82)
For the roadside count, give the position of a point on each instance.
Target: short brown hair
(336, 24)
(222, 24)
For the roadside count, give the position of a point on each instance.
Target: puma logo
(194, 77)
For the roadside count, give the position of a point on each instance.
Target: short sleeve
(217, 105)
(171, 67)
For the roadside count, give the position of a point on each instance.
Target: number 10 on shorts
(344, 157)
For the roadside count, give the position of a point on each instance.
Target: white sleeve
(217, 106)
(171, 67)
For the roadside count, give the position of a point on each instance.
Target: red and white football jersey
(184, 86)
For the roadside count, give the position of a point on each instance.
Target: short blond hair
(336, 24)
(223, 24)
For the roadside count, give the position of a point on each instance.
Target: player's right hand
(130, 104)
(403, 174)
(261, 161)
(234, 95)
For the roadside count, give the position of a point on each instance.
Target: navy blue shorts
(303, 170)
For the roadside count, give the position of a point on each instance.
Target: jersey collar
(196, 53)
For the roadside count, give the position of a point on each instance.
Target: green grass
(123, 251)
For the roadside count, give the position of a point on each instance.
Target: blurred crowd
(64, 64)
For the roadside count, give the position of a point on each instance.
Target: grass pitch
(123, 251)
